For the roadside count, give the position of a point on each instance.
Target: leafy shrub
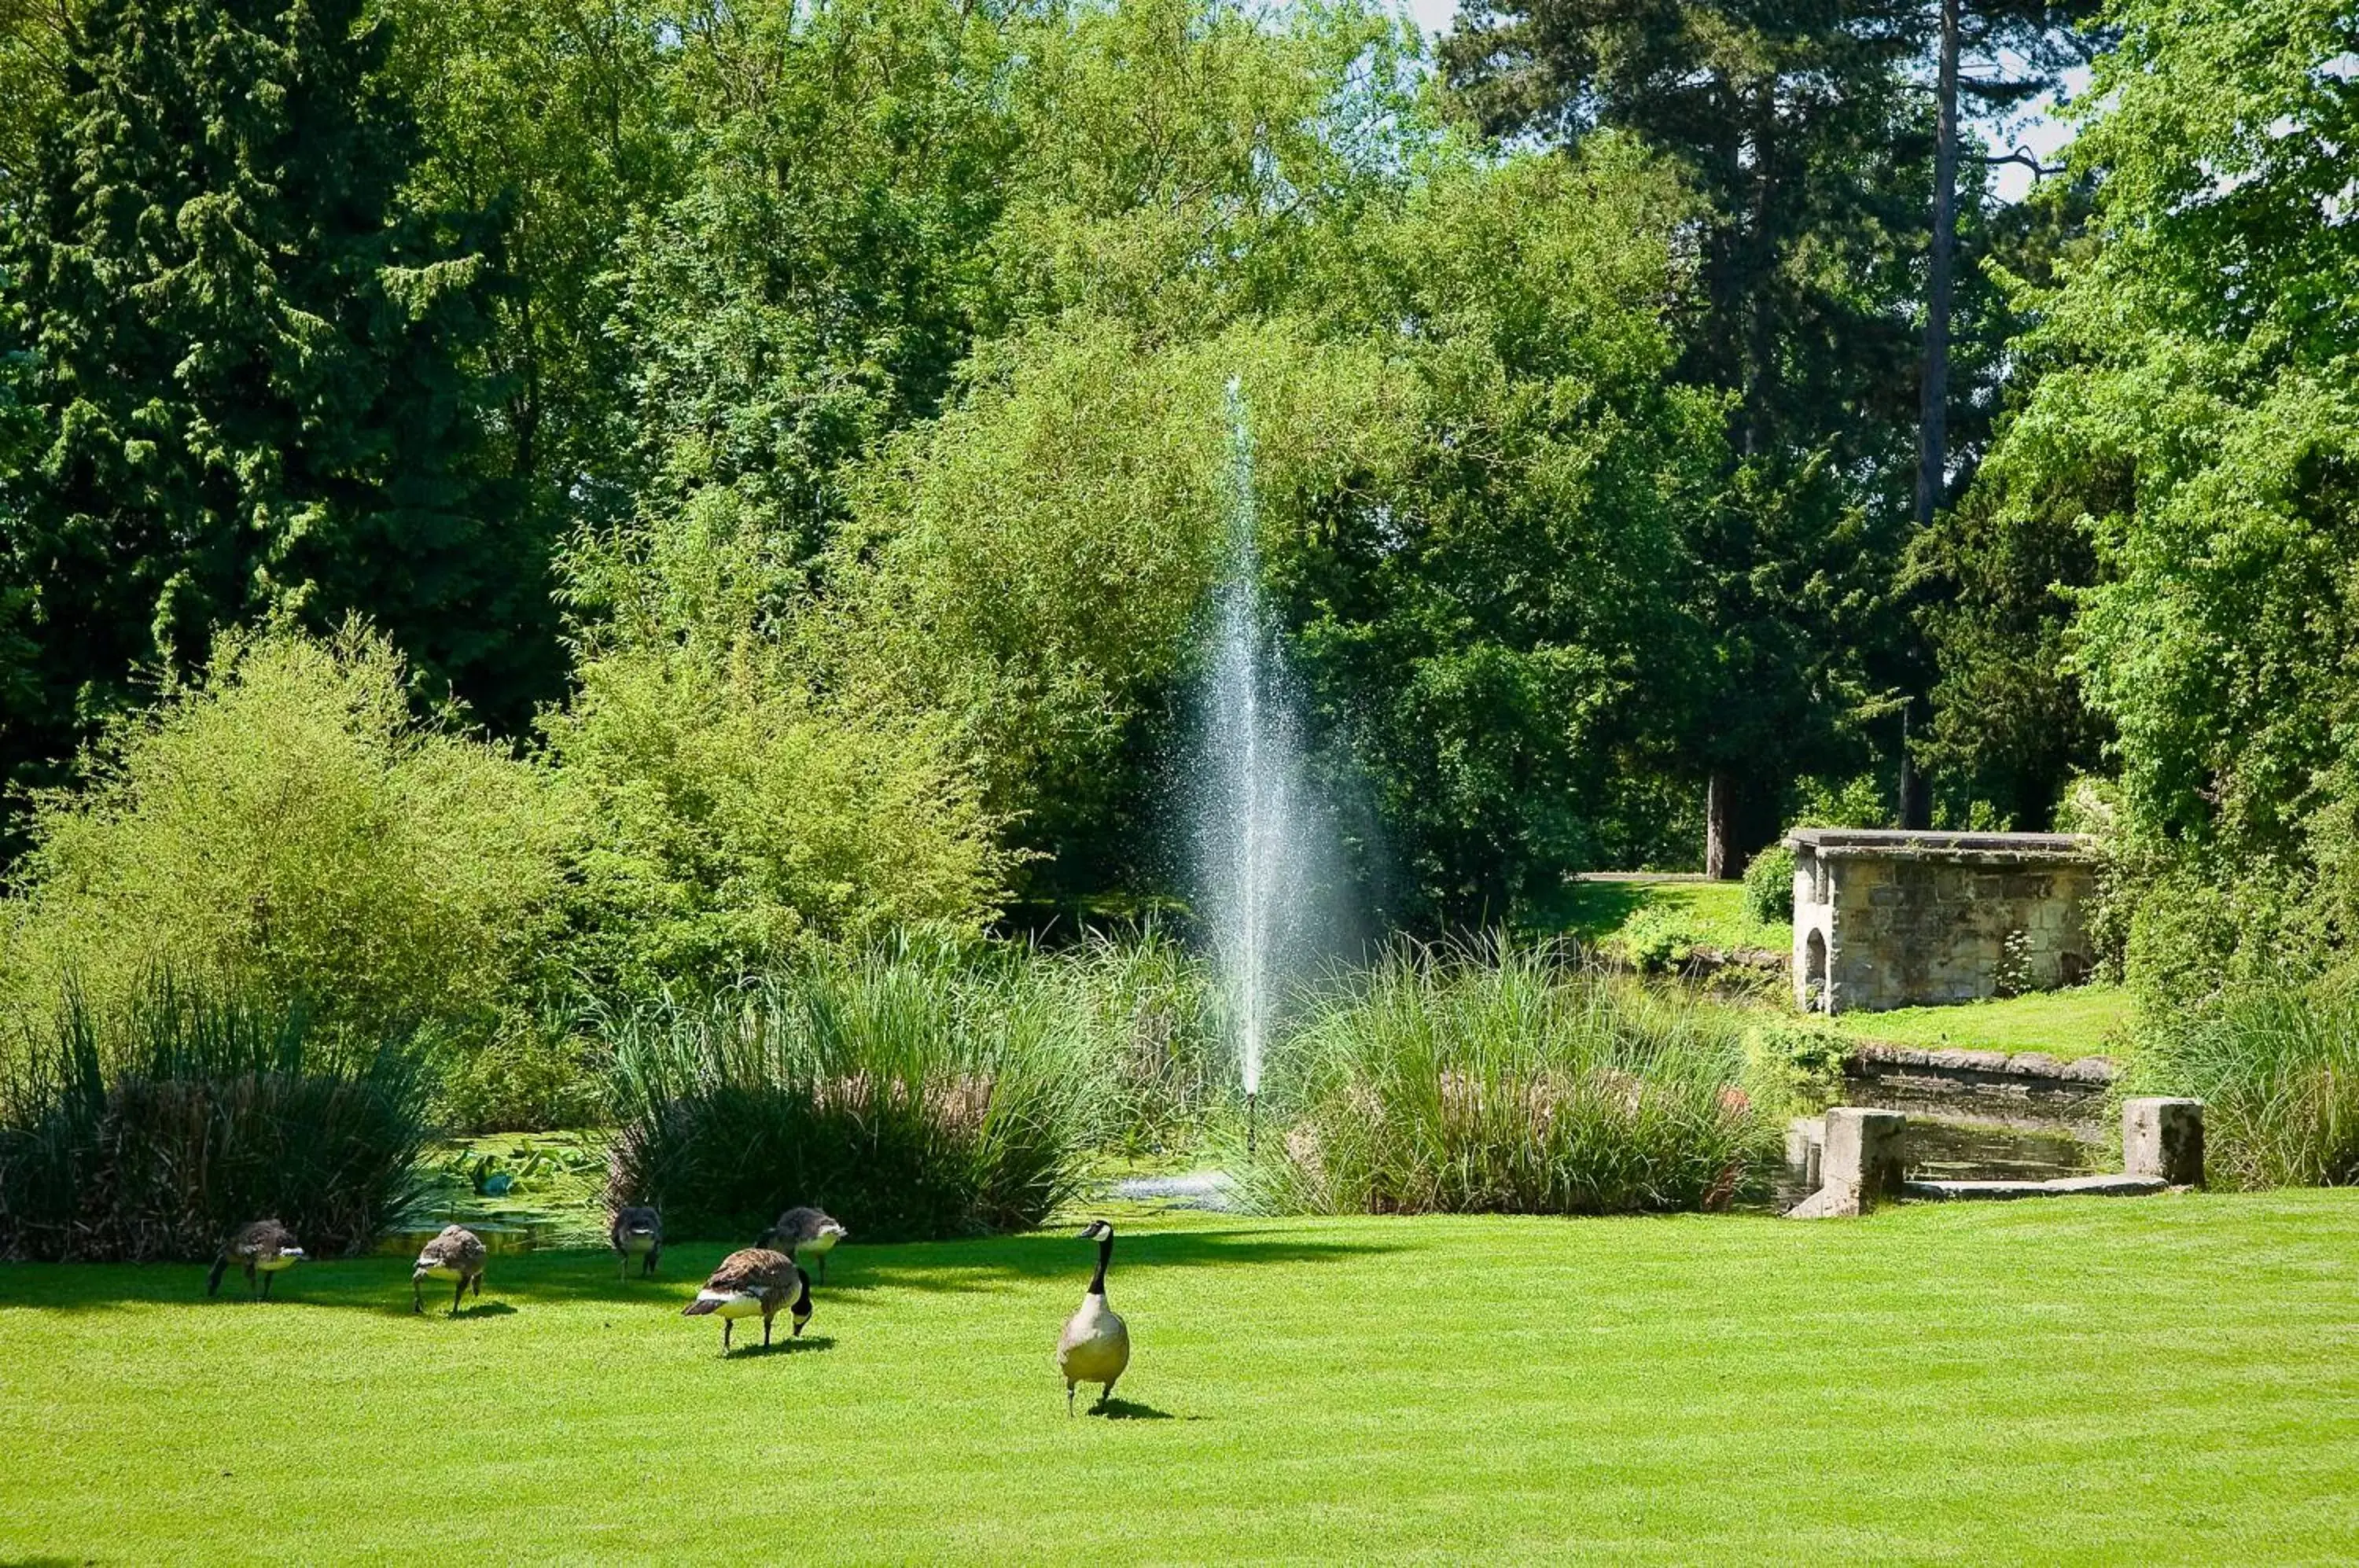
(1655, 942)
(913, 1094)
(152, 1129)
(528, 1079)
(287, 831)
(731, 818)
(1794, 1068)
(2276, 1064)
(1511, 1081)
(1769, 885)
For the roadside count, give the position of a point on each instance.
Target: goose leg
(1068, 1398)
(1105, 1395)
(249, 1281)
(647, 1269)
(765, 1330)
(457, 1296)
(417, 1297)
(479, 1287)
(726, 1325)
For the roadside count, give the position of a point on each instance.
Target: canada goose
(636, 1232)
(265, 1248)
(754, 1280)
(1095, 1345)
(457, 1253)
(802, 1230)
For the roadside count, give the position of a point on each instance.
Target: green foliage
(1506, 1081)
(2277, 1065)
(527, 1078)
(730, 815)
(287, 830)
(910, 1093)
(154, 1128)
(254, 359)
(1769, 884)
(1656, 940)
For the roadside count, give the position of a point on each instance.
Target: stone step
(2060, 1187)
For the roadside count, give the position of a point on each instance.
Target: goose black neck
(1105, 1256)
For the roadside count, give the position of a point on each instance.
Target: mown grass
(2132, 1382)
(2087, 1021)
(1711, 913)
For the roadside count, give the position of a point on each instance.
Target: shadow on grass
(1131, 1410)
(381, 1284)
(810, 1342)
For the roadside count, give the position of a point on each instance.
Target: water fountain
(1253, 834)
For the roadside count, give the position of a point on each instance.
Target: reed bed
(1506, 1078)
(914, 1093)
(150, 1130)
(2276, 1064)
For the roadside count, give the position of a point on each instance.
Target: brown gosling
(457, 1254)
(637, 1233)
(805, 1230)
(1095, 1345)
(754, 1280)
(265, 1248)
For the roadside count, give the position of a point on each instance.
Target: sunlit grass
(2133, 1381)
(2087, 1021)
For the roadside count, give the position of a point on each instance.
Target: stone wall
(1887, 918)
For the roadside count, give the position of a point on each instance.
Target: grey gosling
(457, 1254)
(805, 1230)
(1095, 1345)
(265, 1248)
(754, 1280)
(636, 1232)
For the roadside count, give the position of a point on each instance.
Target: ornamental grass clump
(1507, 1080)
(150, 1129)
(912, 1093)
(2276, 1064)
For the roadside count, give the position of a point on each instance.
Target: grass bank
(2087, 1021)
(2171, 1378)
(1618, 910)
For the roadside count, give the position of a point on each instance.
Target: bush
(1769, 885)
(1509, 1081)
(152, 1130)
(287, 831)
(913, 1094)
(2276, 1064)
(529, 1078)
(1655, 942)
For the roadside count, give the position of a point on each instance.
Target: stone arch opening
(1814, 974)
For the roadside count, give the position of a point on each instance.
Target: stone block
(2160, 1137)
(1861, 1154)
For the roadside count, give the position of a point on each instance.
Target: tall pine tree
(256, 364)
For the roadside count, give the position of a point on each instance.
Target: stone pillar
(1860, 1162)
(2164, 1137)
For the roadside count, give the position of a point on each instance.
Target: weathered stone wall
(1895, 920)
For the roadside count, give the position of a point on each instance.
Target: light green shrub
(1769, 885)
(288, 830)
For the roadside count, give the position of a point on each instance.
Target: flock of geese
(764, 1278)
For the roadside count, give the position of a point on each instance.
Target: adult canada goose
(1095, 1345)
(804, 1230)
(265, 1248)
(458, 1255)
(636, 1232)
(754, 1280)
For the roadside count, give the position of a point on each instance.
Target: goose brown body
(458, 1255)
(265, 1248)
(1095, 1345)
(637, 1232)
(755, 1279)
(803, 1230)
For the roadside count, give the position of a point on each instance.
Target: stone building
(1890, 919)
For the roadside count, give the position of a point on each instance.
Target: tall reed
(150, 1129)
(2276, 1064)
(913, 1091)
(1506, 1078)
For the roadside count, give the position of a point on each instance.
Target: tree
(1796, 125)
(256, 364)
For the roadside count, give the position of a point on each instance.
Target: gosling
(265, 1248)
(456, 1255)
(636, 1232)
(805, 1230)
(1095, 1345)
(754, 1280)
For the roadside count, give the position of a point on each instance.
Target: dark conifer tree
(257, 366)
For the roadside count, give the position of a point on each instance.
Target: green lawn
(2092, 1380)
(2083, 1021)
(1713, 911)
